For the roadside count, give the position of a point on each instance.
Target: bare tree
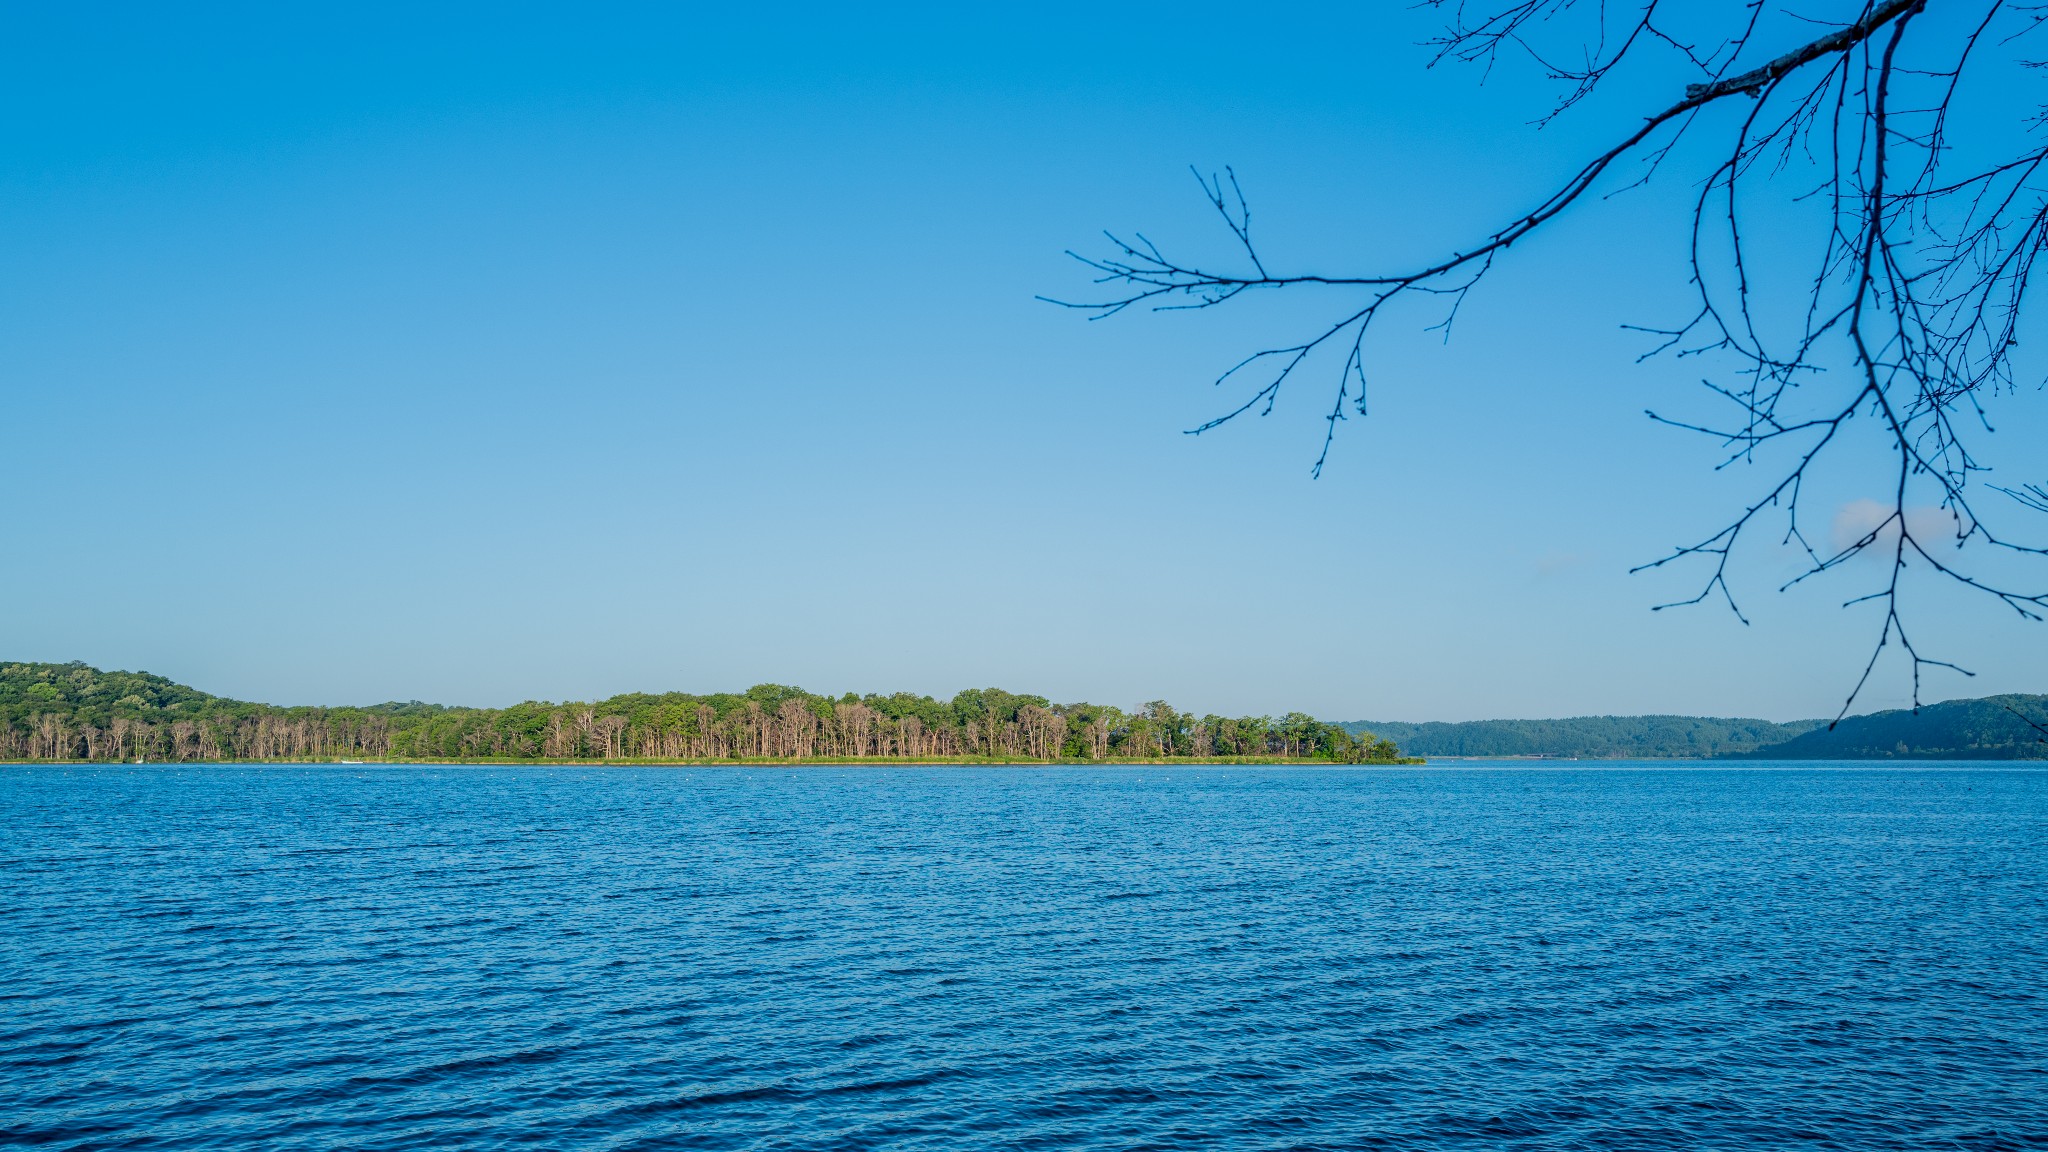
(1044, 731)
(1098, 738)
(796, 729)
(608, 730)
(1918, 250)
(857, 726)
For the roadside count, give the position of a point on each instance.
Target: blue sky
(506, 352)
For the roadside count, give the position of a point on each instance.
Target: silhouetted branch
(1913, 306)
(2041, 730)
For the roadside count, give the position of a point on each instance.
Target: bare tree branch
(1924, 260)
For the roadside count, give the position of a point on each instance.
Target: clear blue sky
(481, 353)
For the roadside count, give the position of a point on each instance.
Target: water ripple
(319, 958)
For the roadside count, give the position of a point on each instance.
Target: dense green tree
(74, 712)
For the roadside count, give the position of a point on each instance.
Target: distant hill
(1992, 728)
(1590, 737)
(1985, 729)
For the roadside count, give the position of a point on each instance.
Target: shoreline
(1520, 762)
(756, 762)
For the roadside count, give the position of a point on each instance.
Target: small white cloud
(1877, 521)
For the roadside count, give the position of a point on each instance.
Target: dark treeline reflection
(76, 712)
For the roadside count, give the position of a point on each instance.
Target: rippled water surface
(341, 957)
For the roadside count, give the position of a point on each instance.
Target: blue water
(563, 958)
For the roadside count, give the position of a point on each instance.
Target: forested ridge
(77, 712)
(1593, 737)
(2011, 727)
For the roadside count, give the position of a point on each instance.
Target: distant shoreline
(75, 712)
(754, 762)
(2007, 727)
(1730, 763)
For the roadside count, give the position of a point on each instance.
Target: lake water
(947, 958)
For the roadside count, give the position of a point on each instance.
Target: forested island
(77, 712)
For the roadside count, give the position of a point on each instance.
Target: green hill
(1991, 728)
(1591, 737)
(70, 686)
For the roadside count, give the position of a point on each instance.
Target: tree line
(1594, 737)
(76, 712)
(2009, 727)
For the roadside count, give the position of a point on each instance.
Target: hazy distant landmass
(1592, 737)
(1991, 728)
